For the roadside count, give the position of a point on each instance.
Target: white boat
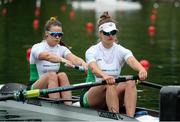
(45, 109)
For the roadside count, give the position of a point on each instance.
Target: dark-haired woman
(45, 60)
(105, 61)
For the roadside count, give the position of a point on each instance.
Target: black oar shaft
(85, 85)
(23, 94)
(150, 84)
(67, 88)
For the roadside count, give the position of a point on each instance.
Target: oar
(150, 84)
(146, 83)
(80, 68)
(23, 94)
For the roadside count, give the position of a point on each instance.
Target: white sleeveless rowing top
(109, 60)
(46, 66)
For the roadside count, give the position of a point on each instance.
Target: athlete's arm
(133, 63)
(52, 58)
(76, 60)
(99, 73)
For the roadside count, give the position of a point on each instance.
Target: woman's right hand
(69, 64)
(66, 62)
(110, 80)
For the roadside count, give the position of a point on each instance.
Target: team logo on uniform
(99, 59)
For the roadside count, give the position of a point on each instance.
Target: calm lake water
(162, 51)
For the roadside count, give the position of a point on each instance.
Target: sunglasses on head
(55, 34)
(113, 32)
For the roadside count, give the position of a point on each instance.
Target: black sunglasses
(113, 32)
(55, 34)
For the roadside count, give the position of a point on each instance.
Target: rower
(105, 61)
(45, 60)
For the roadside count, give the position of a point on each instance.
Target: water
(163, 52)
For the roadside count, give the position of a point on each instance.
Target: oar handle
(80, 68)
(126, 78)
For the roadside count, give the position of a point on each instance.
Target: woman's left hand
(142, 74)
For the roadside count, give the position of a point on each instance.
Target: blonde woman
(45, 60)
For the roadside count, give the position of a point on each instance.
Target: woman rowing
(105, 60)
(45, 60)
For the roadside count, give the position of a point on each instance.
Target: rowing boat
(45, 109)
(19, 104)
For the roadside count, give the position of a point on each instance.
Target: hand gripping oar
(23, 94)
(80, 68)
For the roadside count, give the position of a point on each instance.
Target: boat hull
(46, 109)
(52, 111)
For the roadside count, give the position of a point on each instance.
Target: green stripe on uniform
(90, 76)
(33, 72)
(85, 100)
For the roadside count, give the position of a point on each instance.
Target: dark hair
(52, 22)
(104, 18)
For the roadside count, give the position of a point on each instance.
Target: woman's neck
(107, 45)
(49, 44)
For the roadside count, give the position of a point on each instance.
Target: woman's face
(108, 37)
(54, 35)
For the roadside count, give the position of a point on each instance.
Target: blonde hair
(52, 22)
(53, 18)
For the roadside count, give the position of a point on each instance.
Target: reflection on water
(112, 6)
(17, 35)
